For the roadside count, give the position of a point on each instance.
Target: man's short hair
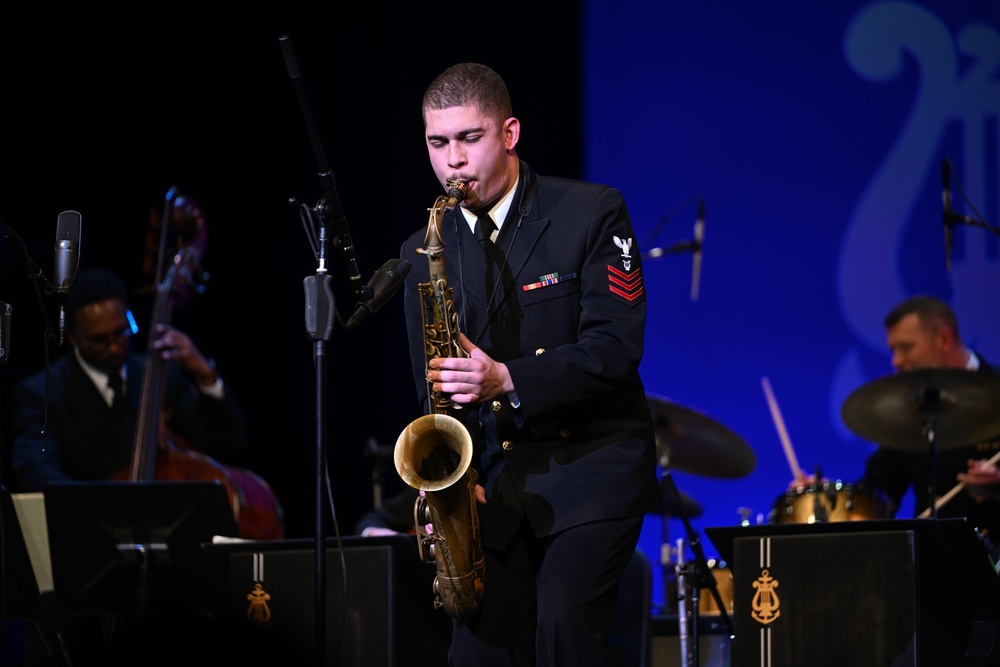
(472, 85)
(91, 286)
(930, 310)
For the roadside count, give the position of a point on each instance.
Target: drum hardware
(724, 582)
(828, 501)
(692, 577)
(687, 506)
(696, 573)
(911, 409)
(690, 441)
(681, 570)
(668, 508)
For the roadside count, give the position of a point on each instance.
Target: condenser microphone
(67, 259)
(946, 213)
(382, 286)
(699, 235)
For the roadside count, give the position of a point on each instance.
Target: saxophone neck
(456, 195)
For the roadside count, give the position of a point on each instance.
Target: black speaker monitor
(921, 593)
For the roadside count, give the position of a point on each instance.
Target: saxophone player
(550, 306)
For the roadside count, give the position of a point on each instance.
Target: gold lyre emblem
(765, 600)
(258, 613)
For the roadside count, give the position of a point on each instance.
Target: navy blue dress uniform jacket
(567, 318)
(83, 443)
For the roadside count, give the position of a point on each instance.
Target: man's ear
(511, 133)
(946, 338)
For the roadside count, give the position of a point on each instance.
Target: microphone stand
(655, 232)
(42, 286)
(952, 218)
(681, 246)
(320, 316)
(958, 218)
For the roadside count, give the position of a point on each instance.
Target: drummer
(922, 332)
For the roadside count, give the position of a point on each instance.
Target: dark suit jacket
(82, 442)
(568, 320)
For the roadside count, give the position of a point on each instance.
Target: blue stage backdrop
(815, 135)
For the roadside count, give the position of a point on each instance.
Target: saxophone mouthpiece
(456, 193)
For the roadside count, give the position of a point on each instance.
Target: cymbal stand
(701, 577)
(928, 426)
(683, 631)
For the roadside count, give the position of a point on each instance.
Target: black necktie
(122, 412)
(494, 256)
(488, 228)
(116, 385)
(504, 324)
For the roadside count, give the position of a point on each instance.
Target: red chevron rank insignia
(627, 285)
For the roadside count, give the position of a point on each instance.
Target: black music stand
(135, 547)
(19, 594)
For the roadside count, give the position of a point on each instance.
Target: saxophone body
(434, 452)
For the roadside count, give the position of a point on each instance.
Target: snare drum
(830, 501)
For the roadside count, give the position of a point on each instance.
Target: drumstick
(940, 502)
(779, 424)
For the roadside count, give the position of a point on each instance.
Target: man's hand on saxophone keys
(469, 380)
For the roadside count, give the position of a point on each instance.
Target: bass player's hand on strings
(175, 344)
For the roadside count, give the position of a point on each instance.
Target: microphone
(67, 258)
(946, 213)
(382, 286)
(699, 235)
(330, 210)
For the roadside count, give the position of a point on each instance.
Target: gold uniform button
(497, 406)
(539, 351)
(507, 445)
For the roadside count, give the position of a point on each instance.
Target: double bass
(159, 454)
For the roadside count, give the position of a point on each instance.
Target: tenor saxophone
(434, 452)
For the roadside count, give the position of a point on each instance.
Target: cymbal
(892, 411)
(690, 441)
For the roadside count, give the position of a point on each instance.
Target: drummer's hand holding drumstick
(981, 482)
(982, 479)
(800, 479)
